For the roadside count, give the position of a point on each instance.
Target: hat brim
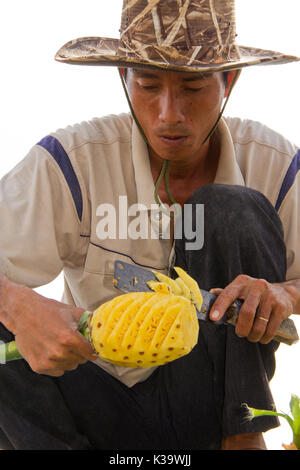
(104, 51)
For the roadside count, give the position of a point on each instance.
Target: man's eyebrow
(188, 78)
(196, 77)
(142, 74)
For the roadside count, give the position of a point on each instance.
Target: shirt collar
(142, 170)
(228, 171)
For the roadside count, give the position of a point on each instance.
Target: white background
(39, 95)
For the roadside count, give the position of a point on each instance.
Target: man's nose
(170, 107)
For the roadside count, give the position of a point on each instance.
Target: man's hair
(225, 76)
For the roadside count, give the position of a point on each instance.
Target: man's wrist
(7, 298)
(292, 288)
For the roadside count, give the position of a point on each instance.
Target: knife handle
(286, 333)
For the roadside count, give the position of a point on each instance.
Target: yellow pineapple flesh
(144, 329)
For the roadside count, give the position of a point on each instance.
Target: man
(55, 196)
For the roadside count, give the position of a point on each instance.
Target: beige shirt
(51, 206)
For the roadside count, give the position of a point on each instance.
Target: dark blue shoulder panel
(54, 147)
(288, 179)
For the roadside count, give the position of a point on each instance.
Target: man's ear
(230, 77)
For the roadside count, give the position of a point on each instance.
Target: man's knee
(241, 233)
(227, 195)
(236, 206)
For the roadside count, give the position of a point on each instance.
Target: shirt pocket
(100, 259)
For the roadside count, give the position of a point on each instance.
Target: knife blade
(131, 278)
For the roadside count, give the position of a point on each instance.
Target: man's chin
(173, 156)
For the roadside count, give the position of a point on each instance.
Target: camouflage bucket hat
(182, 35)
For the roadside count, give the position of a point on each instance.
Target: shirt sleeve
(288, 209)
(39, 223)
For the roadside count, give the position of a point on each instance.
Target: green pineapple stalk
(9, 352)
(294, 420)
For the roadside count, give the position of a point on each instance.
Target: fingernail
(214, 315)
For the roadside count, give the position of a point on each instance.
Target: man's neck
(187, 175)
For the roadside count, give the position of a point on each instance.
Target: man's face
(175, 110)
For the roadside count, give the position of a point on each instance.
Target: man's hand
(45, 330)
(265, 305)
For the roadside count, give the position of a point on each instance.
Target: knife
(132, 278)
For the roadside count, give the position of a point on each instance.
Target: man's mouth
(173, 139)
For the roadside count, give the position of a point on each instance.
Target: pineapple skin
(144, 329)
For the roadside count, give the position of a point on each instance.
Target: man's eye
(148, 87)
(193, 90)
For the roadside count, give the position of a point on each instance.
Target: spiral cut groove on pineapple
(145, 329)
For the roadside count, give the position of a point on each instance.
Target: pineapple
(144, 329)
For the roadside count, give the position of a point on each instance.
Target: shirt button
(157, 216)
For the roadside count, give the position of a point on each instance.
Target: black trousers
(188, 404)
